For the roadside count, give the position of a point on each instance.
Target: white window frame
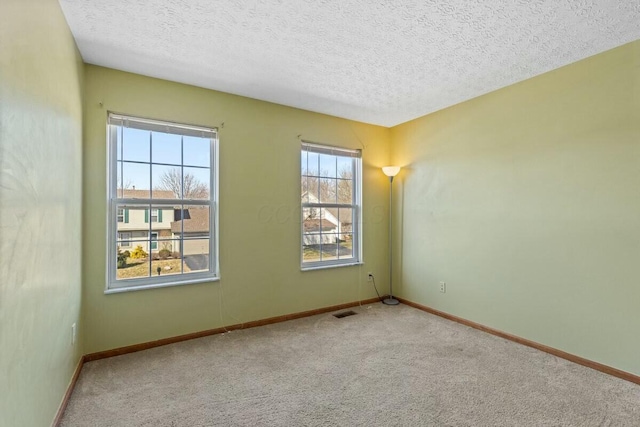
(113, 285)
(151, 215)
(120, 216)
(356, 206)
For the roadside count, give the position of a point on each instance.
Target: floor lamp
(391, 171)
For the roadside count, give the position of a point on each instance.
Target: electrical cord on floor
(373, 279)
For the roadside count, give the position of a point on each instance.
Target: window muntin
(159, 173)
(330, 206)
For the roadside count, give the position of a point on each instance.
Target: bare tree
(171, 180)
(122, 187)
(330, 189)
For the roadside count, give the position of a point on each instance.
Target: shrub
(122, 258)
(164, 253)
(138, 253)
(126, 254)
(175, 255)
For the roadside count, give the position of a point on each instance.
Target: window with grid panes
(162, 203)
(331, 206)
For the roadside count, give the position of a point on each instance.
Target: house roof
(144, 194)
(197, 221)
(314, 225)
(333, 211)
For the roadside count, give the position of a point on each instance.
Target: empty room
(330, 213)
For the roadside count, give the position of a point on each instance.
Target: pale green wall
(259, 205)
(40, 209)
(526, 201)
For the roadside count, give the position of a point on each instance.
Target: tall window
(154, 215)
(162, 203)
(331, 206)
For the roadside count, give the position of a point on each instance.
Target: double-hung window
(162, 203)
(331, 206)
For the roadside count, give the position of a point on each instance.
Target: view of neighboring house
(143, 226)
(192, 224)
(325, 225)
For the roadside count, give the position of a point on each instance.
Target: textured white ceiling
(382, 62)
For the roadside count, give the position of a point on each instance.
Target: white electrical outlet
(369, 277)
(443, 287)
(73, 334)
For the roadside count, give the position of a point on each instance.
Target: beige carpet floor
(385, 366)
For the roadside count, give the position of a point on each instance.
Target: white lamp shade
(391, 170)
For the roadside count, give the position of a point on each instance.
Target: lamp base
(391, 301)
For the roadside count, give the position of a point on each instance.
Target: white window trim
(356, 206)
(112, 285)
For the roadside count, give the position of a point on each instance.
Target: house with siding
(323, 225)
(144, 225)
(193, 225)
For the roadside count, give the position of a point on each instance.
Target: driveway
(197, 262)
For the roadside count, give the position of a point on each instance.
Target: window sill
(323, 267)
(160, 285)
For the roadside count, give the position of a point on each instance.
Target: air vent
(345, 314)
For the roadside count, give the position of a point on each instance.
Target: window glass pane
(195, 255)
(166, 148)
(345, 191)
(162, 216)
(167, 259)
(345, 233)
(304, 186)
(196, 183)
(328, 190)
(329, 217)
(159, 219)
(135, 265)
(313, 189)
(167, 182)
(345, 167)
(195, 223)
(119, 180)
(303, 162)
(327, 166)
(118, 132)
(124, 240)
(329, 247)
(133, 221)
(311, 249)
(313, 163)
(153, 243)
(197, 151)
(135, 145)
(135, 180)
(311, 220)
